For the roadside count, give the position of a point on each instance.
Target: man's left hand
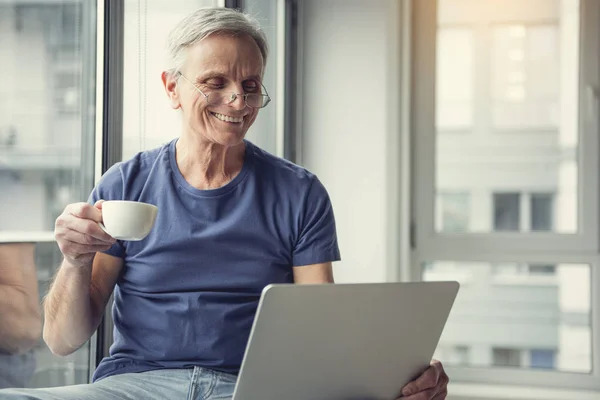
(431, 385)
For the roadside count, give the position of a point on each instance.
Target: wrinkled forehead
(236, 56)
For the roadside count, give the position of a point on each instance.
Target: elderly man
(232, 219)
(20, 319)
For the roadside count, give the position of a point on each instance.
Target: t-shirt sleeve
(110, 187)
(317, 239)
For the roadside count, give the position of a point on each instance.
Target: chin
(229, 139)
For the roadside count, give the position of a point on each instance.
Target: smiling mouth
(227, 118)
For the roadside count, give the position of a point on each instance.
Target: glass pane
(506, 357)
(542, 211)
(543, 359)
(454, 92)
(507, 112)
(47, 92)
(148, 119)
(525, 73)
(519, 315)
(507, 211)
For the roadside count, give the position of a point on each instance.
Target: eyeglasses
(218, 97)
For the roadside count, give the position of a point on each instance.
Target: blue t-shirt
(188, 292)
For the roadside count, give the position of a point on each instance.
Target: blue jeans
(191, 384)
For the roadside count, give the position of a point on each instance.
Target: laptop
(342, 341)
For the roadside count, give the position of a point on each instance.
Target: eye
(251, 86)
(214, 83)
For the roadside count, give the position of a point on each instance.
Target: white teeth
(227, 118)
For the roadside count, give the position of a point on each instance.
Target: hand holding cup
(82, 229)
(78, 233)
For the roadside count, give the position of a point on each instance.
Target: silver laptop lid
(342, 341)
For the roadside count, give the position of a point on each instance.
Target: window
(524, 212)
(507, 214)
(542, 359)
(527, 252)
(46, 154)
(454, 90)
(503, 309)
(506, 357)
(542, 212)
(537, 269)
(524, 269)
(536, 358)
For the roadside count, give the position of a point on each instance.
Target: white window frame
(553, 248)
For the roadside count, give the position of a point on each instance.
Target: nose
(237, 101)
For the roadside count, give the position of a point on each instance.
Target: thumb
(98, 204)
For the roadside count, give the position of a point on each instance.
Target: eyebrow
(215, 74)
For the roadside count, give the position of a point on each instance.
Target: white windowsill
(473, 391)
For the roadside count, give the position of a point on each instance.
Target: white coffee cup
(128, 220)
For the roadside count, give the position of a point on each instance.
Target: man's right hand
(78, 234)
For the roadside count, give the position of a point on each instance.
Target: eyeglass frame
(234, 96)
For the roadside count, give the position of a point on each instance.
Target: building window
(505, 357)
(507, 214)
(542, 270)
(523, 212)
(542, 210)
(522, 269)
(542, 359)
(535, 358)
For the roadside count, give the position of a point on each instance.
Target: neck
(207, 165)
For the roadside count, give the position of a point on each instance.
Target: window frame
(586, 239)
(427, 245)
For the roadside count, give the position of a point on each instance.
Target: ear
(170, 83)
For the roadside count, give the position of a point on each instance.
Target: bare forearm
(70, 319)
(21, 321)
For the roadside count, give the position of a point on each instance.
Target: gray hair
(207, 21)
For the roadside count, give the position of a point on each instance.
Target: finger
(86, 227)
(441, 396)
(75, 250)
(84, 211)
(98, 204)
(427, 380)
(428, 394)
(83, 239)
